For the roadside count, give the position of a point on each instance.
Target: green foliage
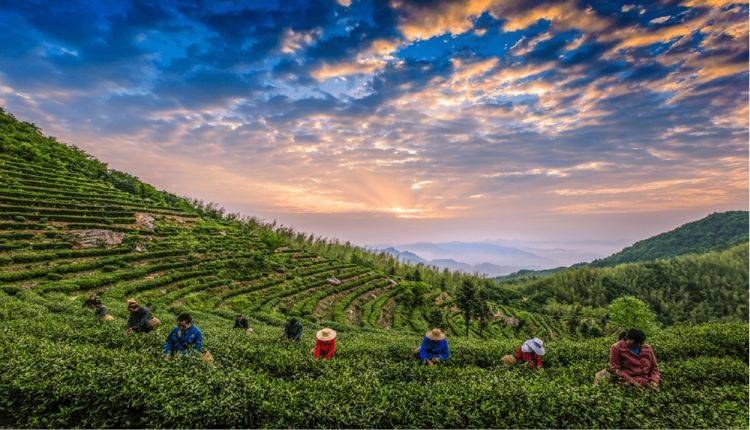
(694, 288)
(111, 380)
(715, 232)
(468, 301)
(629, 312)
(272, 240)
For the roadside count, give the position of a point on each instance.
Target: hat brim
(537, 350)
(319, 335)
(431, 336)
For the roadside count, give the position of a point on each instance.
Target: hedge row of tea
(60, 367)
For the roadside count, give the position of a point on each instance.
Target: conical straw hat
(326, 334)
(435, 334)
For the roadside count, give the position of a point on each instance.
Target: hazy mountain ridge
(483, 268)
(498, 257)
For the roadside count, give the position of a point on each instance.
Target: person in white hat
(434, 347)
(325, 343)
(531, 352)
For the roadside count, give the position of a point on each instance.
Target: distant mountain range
(497, 258)
(507, 259)
(450, 264)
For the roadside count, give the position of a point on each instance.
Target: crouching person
(603, 376)
(530, 352)
(325, 344)
(434, 349)
(633, 362)
(185, 338)
(241, 322)
(140, 319)
(292, 330)
(100, 311)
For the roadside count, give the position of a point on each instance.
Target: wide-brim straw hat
(435, 334)
(132, 301)
(326, 334)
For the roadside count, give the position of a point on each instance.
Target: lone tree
(468, 301)
(482, 310)
(630, 312)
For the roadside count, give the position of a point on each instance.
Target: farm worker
(241, 322)
(100, 310)
(325, 344)
(139, 317)
(434, 347)
(531, 352)
(604, 375)
(184, 338)
(292, 330)
(633, 361)
(91, 301)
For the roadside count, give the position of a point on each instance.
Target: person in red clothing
(530, 352)
(603, 376)
(325, 344)
(633, 361)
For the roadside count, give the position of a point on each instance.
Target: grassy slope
(715, 232)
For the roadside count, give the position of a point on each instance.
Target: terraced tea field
(68, 229)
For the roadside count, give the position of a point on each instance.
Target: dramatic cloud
(434, 119)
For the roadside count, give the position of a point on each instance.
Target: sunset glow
(403, 120)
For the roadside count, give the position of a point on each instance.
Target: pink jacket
(639, 369)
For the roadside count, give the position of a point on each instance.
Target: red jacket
(638, 369)
(324, 349)
(535, 361)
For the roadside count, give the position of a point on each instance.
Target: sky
(403, 120)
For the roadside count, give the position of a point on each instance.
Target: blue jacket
(184, 342)
(293, 331)
(434, 348)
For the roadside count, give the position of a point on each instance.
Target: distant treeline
(696, 288)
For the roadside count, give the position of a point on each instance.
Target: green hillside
(690, 288)
(69, 227)
(715, 232)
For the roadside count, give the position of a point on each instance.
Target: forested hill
(715, 232)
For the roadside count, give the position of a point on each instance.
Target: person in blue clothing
(185, 338)
(434, 349)
(292, 330)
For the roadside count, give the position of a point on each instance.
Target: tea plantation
(70, 227)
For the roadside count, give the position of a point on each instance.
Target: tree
(271, 239)
(467, 300)
(630, 312)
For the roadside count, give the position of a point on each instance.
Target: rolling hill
(715, 232)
